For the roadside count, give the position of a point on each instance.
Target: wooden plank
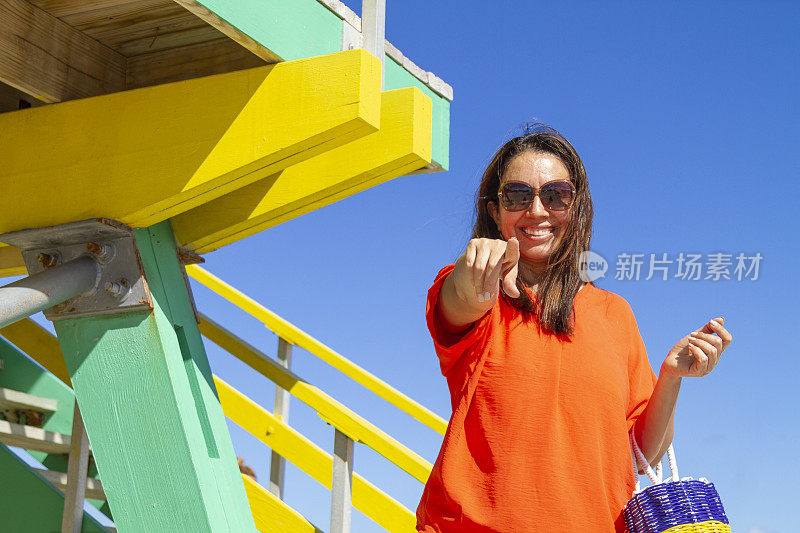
(214, 20)
(51, 61)
(144, 155)
(168, 41)
(138, 20)
(157, 430)
(12, 399)
(76, 476)
(94, 488)
(310, 458)
(271, 514)
(203, 59)
(31, 438)
(400, 146)
(65, 8)
(28, 502)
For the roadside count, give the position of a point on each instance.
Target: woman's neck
(531, 274)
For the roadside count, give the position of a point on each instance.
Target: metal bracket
(121, 286)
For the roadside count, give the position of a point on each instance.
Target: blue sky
(686, 118)
(685, 115)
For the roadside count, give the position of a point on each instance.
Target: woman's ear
(491, 208)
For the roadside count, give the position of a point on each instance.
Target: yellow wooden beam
(271, 514)
(40, 345)
(145, 155)
(402, 145)
(310, 458)
(11, 263)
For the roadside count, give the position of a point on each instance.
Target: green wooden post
(154, 421)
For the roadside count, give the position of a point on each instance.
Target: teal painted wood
(306, 28)
(30, 503)
(155, 424)
(22, 374)
(290, 30)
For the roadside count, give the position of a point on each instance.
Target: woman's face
(534, 169)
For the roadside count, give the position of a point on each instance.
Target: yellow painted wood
(400, 146)
(38, 344)
(271, 514)
(310, 458)
(145, 155)
(11, 263)
(356, 427)
(298, 337)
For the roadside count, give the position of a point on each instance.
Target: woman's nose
(537, 207)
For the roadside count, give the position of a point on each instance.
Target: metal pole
(278, 463)
(41, 291)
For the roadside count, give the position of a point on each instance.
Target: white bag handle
(656, 476)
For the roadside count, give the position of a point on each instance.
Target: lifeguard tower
(135, 137)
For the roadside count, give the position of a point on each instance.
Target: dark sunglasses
(555, 195)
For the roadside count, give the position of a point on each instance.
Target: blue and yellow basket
(675, 505)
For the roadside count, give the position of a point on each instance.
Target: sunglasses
(555, 195)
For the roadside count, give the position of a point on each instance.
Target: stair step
(12, 399)
(94, 489)
(33, 438)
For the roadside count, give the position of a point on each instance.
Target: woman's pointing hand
(477, 273)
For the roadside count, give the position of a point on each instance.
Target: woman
(547, 374)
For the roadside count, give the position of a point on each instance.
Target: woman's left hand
(696, 354)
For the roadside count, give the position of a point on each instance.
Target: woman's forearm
(654, 427)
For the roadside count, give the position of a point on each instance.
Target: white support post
(373, 28)
(77, 469)
(281, 410)
(342, 483)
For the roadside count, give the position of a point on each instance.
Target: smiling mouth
(537, 232)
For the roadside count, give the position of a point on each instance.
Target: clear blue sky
(686, 118)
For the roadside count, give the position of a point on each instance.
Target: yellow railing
(310, 458)
(296, 336)
(333, 412)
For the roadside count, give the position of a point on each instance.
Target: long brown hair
(552, 306)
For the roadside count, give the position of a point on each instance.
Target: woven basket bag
(673, 505)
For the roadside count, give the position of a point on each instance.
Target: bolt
(48, 260)
(118, 289)
(103, 252)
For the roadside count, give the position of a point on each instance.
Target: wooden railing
(296, 336)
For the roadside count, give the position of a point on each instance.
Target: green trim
(28, 502)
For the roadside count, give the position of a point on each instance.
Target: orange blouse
(538, 438)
